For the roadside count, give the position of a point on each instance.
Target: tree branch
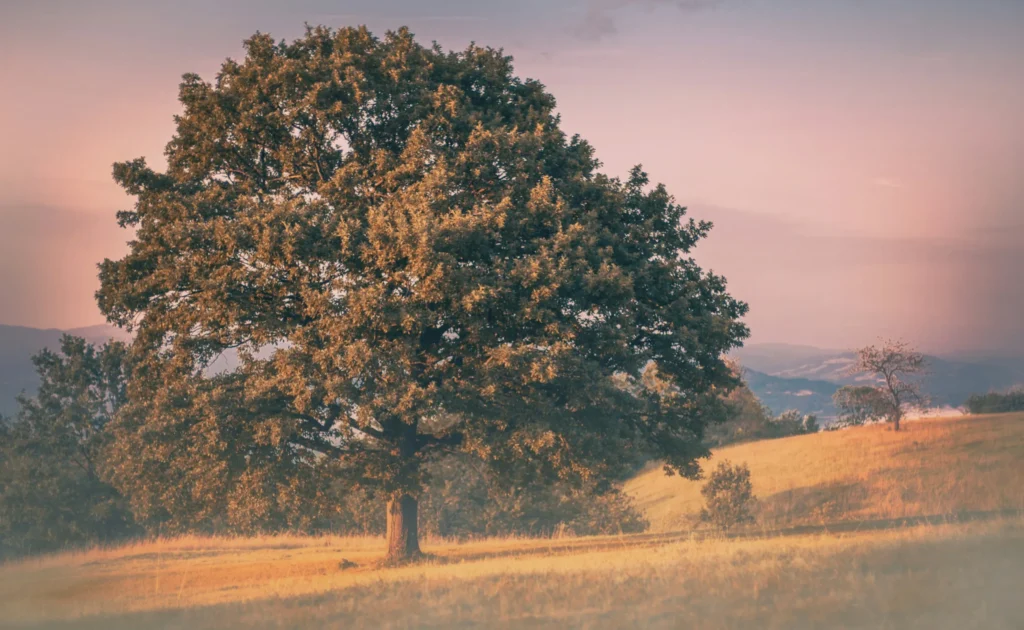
(427, 441)
(374, 433)
(323, 448)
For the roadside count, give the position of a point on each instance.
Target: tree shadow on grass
(641, 541)
(839, 527)
(408, 601)
(821, 503)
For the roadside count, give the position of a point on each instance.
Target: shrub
(790, 422)
(462, 501)
(729, 496)
(994, 402)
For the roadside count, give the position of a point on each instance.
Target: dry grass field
(936, 467)
(868, 562)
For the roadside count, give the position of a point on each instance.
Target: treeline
(65, 480)
(748, 419)
(994, 402)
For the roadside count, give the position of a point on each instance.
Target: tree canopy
(52, 487)
(409, 257)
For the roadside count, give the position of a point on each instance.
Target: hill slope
(933, 467)
(865, 575)
(944, 577)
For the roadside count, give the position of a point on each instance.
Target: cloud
(600, 19)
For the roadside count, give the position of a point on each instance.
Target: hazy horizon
(862, 174)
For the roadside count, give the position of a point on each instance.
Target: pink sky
(861, 162)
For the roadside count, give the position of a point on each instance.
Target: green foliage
(465, 499)
(53, 467)
(747, 418)
(792, 422)
(729, 496)
(201, 455)
(52, 490)
(994, 402)
(857, 404)
(412, 258)
(810, 423)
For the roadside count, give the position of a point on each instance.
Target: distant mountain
(17, 346)
(776, 358)
(803, 394)
(950, 380)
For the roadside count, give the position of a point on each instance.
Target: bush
(788, 423)
(70, 475)
(994, 402)
(729, 496)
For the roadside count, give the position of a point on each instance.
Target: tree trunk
(403, 509)
(896, 423)
(402, 528)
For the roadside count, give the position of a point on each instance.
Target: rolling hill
(863, 528)
(933, 467)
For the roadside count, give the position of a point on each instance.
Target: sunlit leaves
(391, 233)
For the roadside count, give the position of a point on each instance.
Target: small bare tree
(894, 363)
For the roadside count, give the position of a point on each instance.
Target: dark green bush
(994, 402)
(729, 497)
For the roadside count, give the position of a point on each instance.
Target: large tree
(410, 256)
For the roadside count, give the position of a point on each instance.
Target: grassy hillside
(931, 467)
(841, 567)
(948, 576)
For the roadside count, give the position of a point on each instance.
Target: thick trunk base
(402, 529)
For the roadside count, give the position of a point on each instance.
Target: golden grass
(948, 575)
(945, 576)
(931, 467)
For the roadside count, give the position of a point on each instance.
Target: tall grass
(950, 575)
(931, 467)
